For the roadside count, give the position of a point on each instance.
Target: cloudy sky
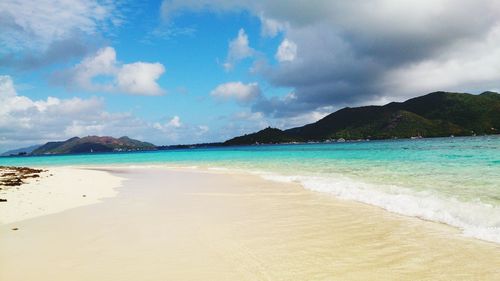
(188, 71)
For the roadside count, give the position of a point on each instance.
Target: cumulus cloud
(170, 127)
(173, 130)
(139, 78)
(240, 123)
(175, 122)
(245, 122)
(7, 89)
(36, 33)
(25, 121)
(287, 51)
(239, 49)
(238, 91)
(473, 66)
(35, 24)
(271, 27)
(359, 52)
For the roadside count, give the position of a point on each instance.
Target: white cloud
(245, 122)
(240, 123)
(239, 49)
(6, 87)
(171, 128)
(242, 93)
(271, 27)
(287, 51)
(304, 118)
(138, 78)
(174, 131)
(356, 52)
(77, 128)
(25, 122)
(34, 24)
(175, 122)
(466, 67)
(103, 63)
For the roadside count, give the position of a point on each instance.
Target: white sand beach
(57, 190)
(165, 224)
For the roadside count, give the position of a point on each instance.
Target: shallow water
(450, 180)
(188, 224)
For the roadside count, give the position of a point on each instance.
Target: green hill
(437, 114)
(268, 135)
(92, 144)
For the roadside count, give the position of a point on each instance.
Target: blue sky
(201, 71)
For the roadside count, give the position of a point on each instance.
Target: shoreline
(188, 224)
(110, 173)
(220, 145)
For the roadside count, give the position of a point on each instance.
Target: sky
(191, 71)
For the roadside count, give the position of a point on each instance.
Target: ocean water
(450, 180)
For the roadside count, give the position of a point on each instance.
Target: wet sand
(196, 225)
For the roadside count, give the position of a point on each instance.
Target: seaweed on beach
(16, 176)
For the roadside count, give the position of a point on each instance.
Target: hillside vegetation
(92, 144)
(437, 114)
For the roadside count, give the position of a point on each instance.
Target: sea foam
(475, 219)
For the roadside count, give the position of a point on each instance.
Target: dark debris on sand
(15, 176)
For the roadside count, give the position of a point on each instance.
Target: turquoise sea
(451, 180)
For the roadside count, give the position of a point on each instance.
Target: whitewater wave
(475, 219)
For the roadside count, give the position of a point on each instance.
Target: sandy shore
(195, 225)
(56, 190)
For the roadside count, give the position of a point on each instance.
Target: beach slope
(200, 225)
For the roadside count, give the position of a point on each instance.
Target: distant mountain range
(437, 114)
(21, 151)
(92, 144)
